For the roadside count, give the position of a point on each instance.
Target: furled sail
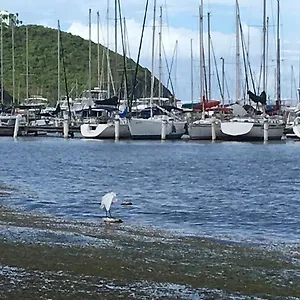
(262, 98)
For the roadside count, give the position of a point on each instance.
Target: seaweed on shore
(137, 263)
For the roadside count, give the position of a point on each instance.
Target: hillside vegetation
(42, 58)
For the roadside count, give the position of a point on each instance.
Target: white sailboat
(151, 128)
(245, 127)
(251, 128)
(201, 129)
(102, 113)
(101, 124)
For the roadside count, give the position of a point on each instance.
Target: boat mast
(209, 59)
(116, 42)
(90, 57)
(107, 53)
(160, 57)
(98, 51)
(278, 53)
(267, 51)
(152, 64)
(201, 55)
(175, 72)
(1, 57)
(145, 84)
(292, 78)
(264, 45)
(298, 78)
(12, 24)
(223, 80)
(192, 74)
(237, 74)
(125, 59)
(58, 62)
(27, 64)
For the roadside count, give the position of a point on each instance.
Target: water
(237, 191)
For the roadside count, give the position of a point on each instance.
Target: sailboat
(152, 127)
(100, 116)
(252, 127)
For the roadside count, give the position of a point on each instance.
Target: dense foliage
(42, 57)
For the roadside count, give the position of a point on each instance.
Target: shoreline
(41, 249)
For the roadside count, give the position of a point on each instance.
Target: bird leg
(110, 214)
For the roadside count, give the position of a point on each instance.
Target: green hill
(43, 64)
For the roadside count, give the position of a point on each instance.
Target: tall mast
(1, 58)
(278, 54)
(125, 59)
(209, 60)
(192, 73)
(267, 51)
(145, 84)
(90, 56)
(58, 62)
(292, 79)
(264, 45)
(27, 64)
(98, 50)
(299, 78)
(107, 53)
(152, 64)
(175, 72)
(159, 55)
(12, 23)
(201, 55)
(223, 81)
(237, 74)
(116, 41)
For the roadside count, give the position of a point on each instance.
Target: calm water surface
(237, 191)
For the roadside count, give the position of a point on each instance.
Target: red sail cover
(206, 104)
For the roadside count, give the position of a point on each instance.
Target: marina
(149, 150)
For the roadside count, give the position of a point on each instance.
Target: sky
(180, 21)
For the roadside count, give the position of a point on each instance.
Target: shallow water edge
(50, 258)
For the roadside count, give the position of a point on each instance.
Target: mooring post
(17, 124)
(164, 124)
(117, 127)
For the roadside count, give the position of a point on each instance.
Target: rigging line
(216, 67)
(273, 27)
(172, 62)
(167, 16)
(127, 38)
(123, 47)
(139, 54)
(244, 54)
(248, 62)
(169, 70)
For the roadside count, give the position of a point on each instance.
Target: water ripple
(240, 190)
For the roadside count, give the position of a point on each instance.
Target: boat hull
(6, 130)
(103, 131)
(239, 131)
(150, 129)
(202, 130)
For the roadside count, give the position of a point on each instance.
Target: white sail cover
(107, 200)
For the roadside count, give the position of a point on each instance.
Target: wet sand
(50, 258)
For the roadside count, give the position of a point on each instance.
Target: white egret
(107, 201)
